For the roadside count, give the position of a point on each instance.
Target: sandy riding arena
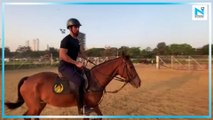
(163, 92)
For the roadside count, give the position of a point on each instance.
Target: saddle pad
(61, 86)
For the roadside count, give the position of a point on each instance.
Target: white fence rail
(182, 62)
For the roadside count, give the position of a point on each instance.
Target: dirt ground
(163, 92)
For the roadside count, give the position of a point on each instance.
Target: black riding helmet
(73, 21)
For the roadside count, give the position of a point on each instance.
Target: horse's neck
(105, 72)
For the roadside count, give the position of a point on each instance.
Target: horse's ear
(125, 56)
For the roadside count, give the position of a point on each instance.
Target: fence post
(189, 62)
(51, 59)
(172, 62)
(157, 62)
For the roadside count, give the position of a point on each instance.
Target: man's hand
(79, 65)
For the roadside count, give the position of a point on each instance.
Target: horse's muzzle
(136, 82)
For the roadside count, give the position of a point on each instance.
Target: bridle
(125, 81)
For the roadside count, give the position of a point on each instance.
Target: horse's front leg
(98, 112)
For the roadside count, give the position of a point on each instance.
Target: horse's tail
(20, 100)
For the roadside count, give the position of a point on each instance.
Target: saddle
(62, 85)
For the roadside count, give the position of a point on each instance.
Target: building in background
(82, 40)
(48, 47)
(35, 45)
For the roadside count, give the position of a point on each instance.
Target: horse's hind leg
(35, 111)
(41, 108)
(25, 115)
(32, 100)
(34, 105)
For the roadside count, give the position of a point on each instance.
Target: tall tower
(82, 40)
(35, 46)
(48, 47)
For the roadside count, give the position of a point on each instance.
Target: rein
(116, 78)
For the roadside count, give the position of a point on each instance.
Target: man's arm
(63, 56)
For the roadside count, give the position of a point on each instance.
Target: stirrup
(87, 110)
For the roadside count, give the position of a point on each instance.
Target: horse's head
(127, 71)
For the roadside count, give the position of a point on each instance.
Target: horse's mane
(123, 56)
(105, 62)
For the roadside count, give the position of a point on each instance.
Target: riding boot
(80, 101)
(84, 109)
(78, 95)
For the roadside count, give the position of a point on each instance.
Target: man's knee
(73, 86)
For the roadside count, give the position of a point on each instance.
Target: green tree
(147, 53)
(123, 49)
(54, 52)
(181, 49)
(161, 49)
(134, 52)
(205, 49)
(95, 52)
(37, 54)
(113, 51)
(7, 52)
(22, 49)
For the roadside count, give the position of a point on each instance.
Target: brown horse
(36, 90)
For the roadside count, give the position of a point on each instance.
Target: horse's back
(43, 76)
(37, 82)
(40, 86)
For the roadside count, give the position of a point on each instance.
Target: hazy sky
(104, 25)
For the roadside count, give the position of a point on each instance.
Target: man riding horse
(36, 90)
(70, 68)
